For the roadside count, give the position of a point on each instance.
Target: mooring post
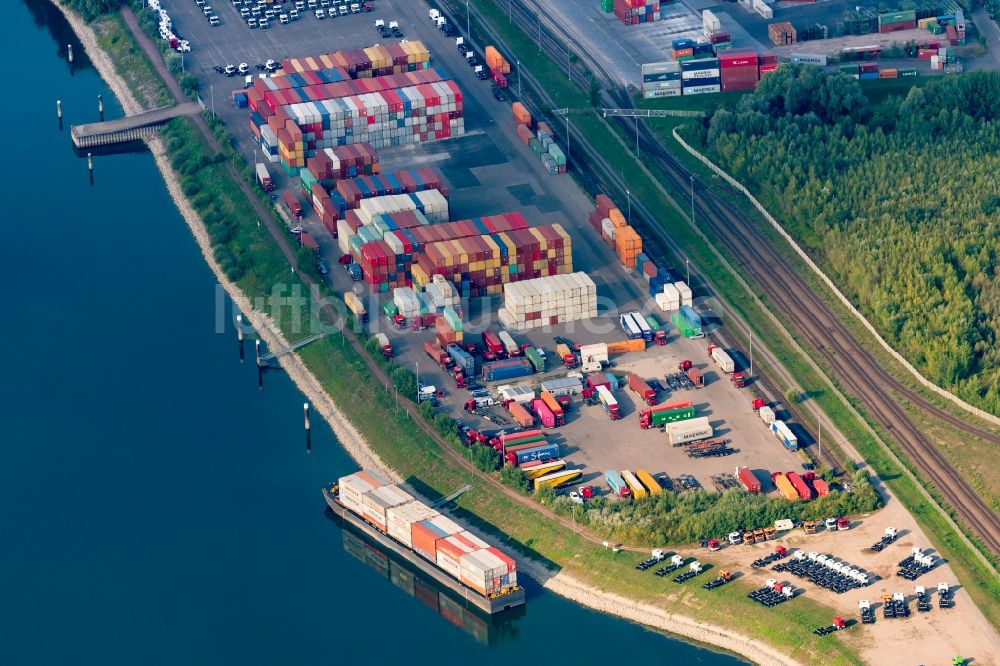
(239, 334)
(100, 106)
(69, 53)
(90, 167)
(305, 412)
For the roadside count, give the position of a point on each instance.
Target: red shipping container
(764, 69)
(742, 59)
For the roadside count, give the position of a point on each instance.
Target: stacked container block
(379, 60)
(740, 71)
(701, 76)
(633, 12)
(662, 79)
(548, 301)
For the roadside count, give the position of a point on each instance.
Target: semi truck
(722, 359)
(617, 484)
(663, 414)
(634, 486)
(509, 345)
(659, 335)
(630, 326)
(641, 389)
(557, 479)
(566, 355)
(293, 204)
(463, 359)
(263, 177)
(609, 402)
(493, 347)
(545, 414)
(439, 355)
(748, 479)
(786, 436)
(556, 408)
(383, 343)
(640, 321)
(355, 305)
(520, 414)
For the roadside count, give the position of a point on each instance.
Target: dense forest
(91, 9)
(900, 203)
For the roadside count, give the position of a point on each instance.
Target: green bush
(515, 478)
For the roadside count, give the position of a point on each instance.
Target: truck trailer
(642, 389)
(689, 431)
(748, 479)
(608, 401)
(787, 437)
(617, 484)
(722, 359)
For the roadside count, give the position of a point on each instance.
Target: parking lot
(489, 171)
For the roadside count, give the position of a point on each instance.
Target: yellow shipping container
(651, 484)
(786, 488)
(419, 276)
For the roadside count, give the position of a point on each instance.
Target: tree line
(900, 203)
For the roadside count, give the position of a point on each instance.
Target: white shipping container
(608, 228)
(596, 353)
(661, 92)
(701, 90)
(378, 501)
(764, 11)
(401, 519)
(354, 487)
(684, 292)
(766, 414)
(661, 67)
(809, 59)
(700, 74)
(710, 22)
(689, 431)
(723, 360)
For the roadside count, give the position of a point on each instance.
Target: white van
(320, 14)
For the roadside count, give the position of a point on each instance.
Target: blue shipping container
(507, 369)
(540, 452)
(616, 482)
(691, 316)
(462, 359)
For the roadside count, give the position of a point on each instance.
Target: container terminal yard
(493, 183)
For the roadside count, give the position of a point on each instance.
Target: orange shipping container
(626, 346)
(683, 53)
(521, 415)
(521, 114)
(617, 218)
(888, 73)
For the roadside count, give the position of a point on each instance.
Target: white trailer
(723, 360)
(596, 353)
(690, 430)
(508, 343)
(766, 415)
(685, 293)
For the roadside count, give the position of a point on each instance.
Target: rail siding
(975, 411)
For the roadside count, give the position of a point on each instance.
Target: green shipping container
(307, 178)
(683, 325)
(849, 69)
(536, 147)
(673, 415)
(653, 322)
(536, 360)
(907, 72)
(557, 154)
(897, 17)
(390, 309)
(452, 318)
(608, 5)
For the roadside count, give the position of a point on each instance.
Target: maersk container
(689, 431)
(506, 369)
(462, 359)
(786, 436)
(617, 484)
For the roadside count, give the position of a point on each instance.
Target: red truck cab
(493, 346)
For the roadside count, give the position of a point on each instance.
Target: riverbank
(561, 583)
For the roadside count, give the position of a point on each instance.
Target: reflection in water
(485, 629)
(46, 15)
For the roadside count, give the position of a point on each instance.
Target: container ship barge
(476, 571)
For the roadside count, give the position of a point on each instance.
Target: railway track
(853, 366)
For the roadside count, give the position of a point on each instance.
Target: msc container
(689, 431)
(786, 436)
(535, 358)
(520, 414)
(651, 484)
(547, 451)
(636, 488)
(401, 519)
(804, 491)
(766, 415)
(785, 487)
(723, 360)
(748, 479)
(462, 359)
(506, 369)
(617, 484)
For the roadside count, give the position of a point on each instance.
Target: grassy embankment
(866, 436)
(254, 260)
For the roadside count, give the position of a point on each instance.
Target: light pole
(751, 352)
(692, 199)
(518, 78)
(628, 197)
(417, 366)
(538, 20)
(637, 137)
(468, 21)
(509, 15)
(819, 419)
(687, 262)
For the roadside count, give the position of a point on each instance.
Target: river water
(157, 508)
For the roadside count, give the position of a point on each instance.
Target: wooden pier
(129, 128)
